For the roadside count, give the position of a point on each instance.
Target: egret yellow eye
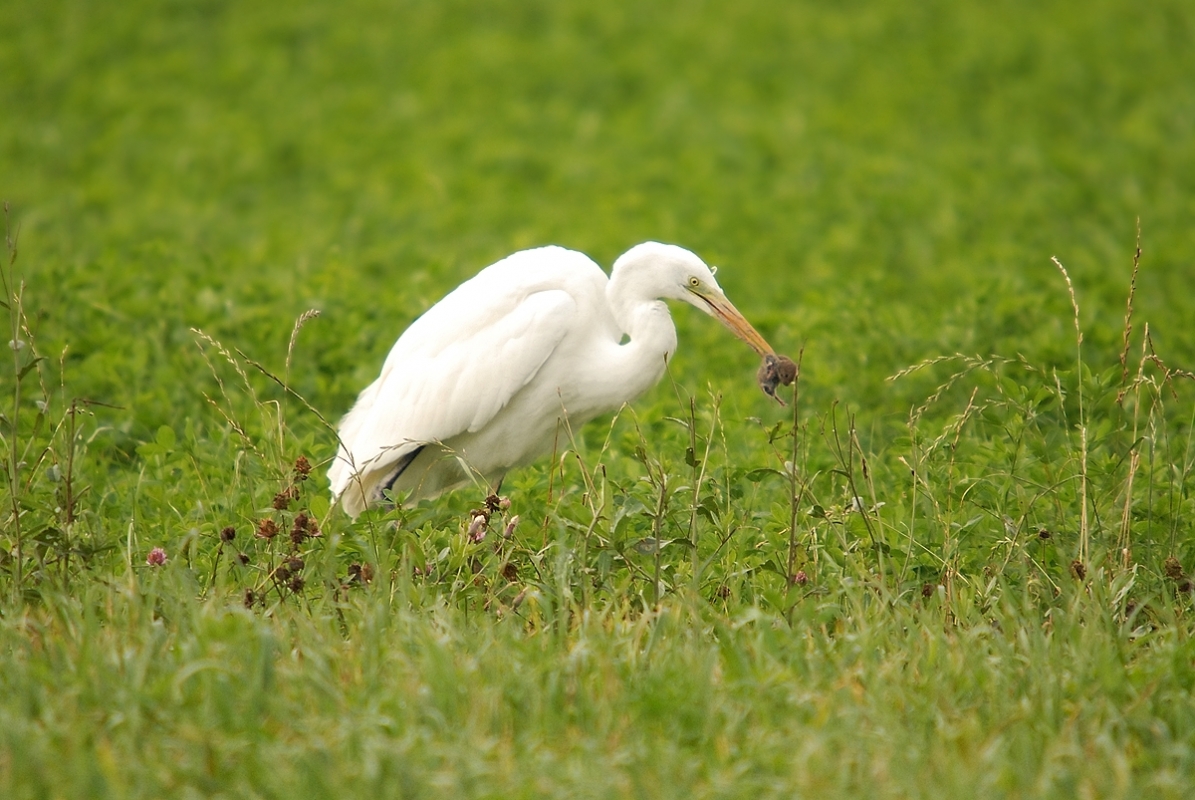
(694, 282)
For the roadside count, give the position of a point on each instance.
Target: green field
(957, 564)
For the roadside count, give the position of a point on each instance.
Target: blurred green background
(881, 182)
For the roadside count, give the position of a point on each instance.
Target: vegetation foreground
(957, 563)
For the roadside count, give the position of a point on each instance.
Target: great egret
(479, 383)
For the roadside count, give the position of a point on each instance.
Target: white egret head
(673, 273)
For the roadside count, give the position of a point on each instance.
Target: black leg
(399, 469)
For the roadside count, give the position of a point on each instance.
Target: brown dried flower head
(302, 468)
(1172, 568)
(283, 499)
(303, 528)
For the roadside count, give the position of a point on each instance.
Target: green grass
(166, 695)
(958, 566)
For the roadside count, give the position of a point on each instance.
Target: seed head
(303, 528)
(302, 468)
(1173, 569)
(267, 529)
(361, 573)
(228, 534)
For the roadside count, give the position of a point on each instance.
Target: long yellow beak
(728, 315)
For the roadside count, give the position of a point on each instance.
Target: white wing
(460, 363)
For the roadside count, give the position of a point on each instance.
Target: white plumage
(483, 378)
